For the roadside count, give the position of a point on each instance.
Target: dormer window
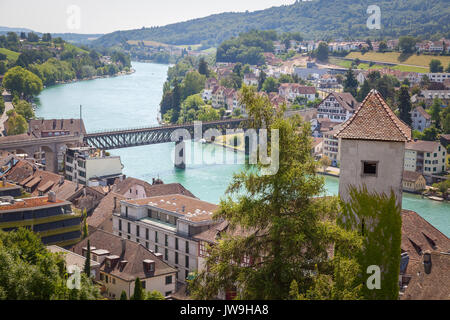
(370, 168)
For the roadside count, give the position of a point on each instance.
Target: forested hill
(317, 19)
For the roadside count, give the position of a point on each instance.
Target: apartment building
(291, 91)
(425, 157)
(331, 145)
(52, 219)
(90, 167)
(438, 76)
(420, 119)
(337, 107)
(121, 261)
(166, 225)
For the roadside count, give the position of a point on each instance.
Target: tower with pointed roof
(372, 149)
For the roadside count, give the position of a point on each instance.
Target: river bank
(133, 101)
(121, 73)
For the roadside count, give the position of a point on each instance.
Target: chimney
(427, 262)
(124, 245)
(159, 255)
(51, 196)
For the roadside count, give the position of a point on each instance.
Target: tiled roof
(191, 208)
(374, 120)
(422, 112)
(346, 100)
(29, 203)
(411, 176)
(124, 186)
(134, 254)
(422, 145)
(102, 216)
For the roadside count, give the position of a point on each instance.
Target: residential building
(166, 225)
(317, 147)
(73, 259)
(425, 264)
(321, 125)
(290, 91)
(91, 167)
(218, 97)
(438, 76)
(337, 107)
(123, 261)
(9, 189)
(425, 157)
(310, 72)
(52, 219)
(413, 181)
(331, 144)
(428, 96)
(372, 149)
(420, 119)
(251, 79)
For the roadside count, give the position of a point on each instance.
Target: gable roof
(374, 120)
(411, 176)
(422, 112)
(346, 100)
(102, 216)
(124, 186)
(134, 254)
(422, 145)
(73, 126)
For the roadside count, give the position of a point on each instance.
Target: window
(187, 246)
(146, 234)
(138, 231)
(176, 243)
(202, 249)
(156, 236)
(187, 261)
(120, 225)
(370, 168)
(166, 240)
(114, 280)
(176, 257)
(101, 276)
(166, 254)
(129, 228)
(168, 279)
(186, 274)
(168, 293)
(146, 245)
(156, 249)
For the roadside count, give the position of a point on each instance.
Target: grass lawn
(366, 66)
(394, 57)
(10, 55)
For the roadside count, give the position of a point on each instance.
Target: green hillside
(317, 19)
(10, 55)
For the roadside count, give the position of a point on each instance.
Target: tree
(30, 272)
(2, 106)
(87, 262)
(435, 112)
(193, 83)
(405, 105)
(377, 217)
(139, 293)
(322, 52)
(261, 79)
(430, 133)
(407, 44)
(325, 162)
(33, 37)
(350, 82)
(85, 225)
(203, 67)
(123, 295)
(436, 66)
(364, 91)
(24, 108)
(3, 67)
(382, 47)
(16, 124)
(154, 295)
(23, 82)
(284, 233)
(46, 37)
(448, 68)
(176, 101)
(270, 85)
(445, 120)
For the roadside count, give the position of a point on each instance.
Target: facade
(372, 149)
(89, 167)
(337, 107)
(413, 181)
(75, 260)
(425, 157)
(52, 219)
(291, 91)
(420, 119)
(438, 77)
(122, 261)
(331, 145)
(166, 225)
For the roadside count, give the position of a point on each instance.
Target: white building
(420, 119)
(337, 107)
(166, 225)
(426, 157)
(290, 91)
(438, 77)
(91, 167)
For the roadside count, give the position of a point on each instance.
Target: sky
(104, 16)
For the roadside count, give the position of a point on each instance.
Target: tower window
(370, 168)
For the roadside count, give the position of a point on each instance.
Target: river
(133, 101)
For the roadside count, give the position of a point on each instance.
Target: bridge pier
(180, 155)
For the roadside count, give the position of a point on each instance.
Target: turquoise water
(133, 101)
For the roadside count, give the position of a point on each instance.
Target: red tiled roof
(422, 145)
(374, 120)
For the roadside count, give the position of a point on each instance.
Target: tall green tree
(407, 44)
(364, 91)
(123, 295)
(22, 82)
(16, 123)
(203, 67)
(322, 52)
(270, 85)
(436, 66)
(405, 105)
(176, 103)
(87, 262)
(284, 232)
(139, 293)
(435, 112)
(85, 225)
(350, 82)
(377, 217)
